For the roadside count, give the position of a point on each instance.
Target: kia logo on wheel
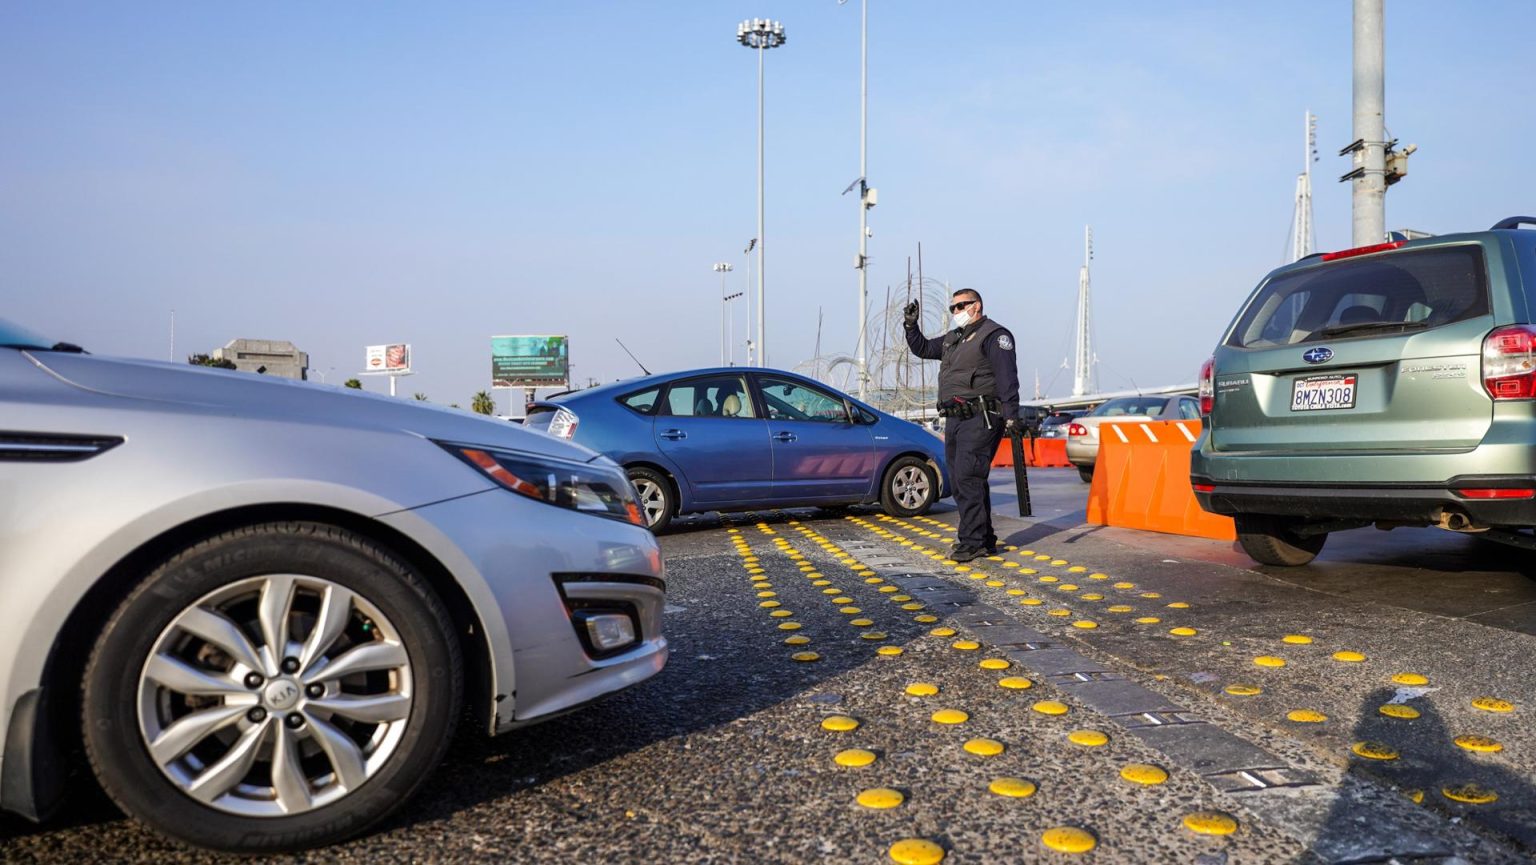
(1318, 355)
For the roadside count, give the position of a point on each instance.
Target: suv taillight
(1076, 429)
(1509, 362)
(1207, 386)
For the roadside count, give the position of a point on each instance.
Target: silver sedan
(259, 605)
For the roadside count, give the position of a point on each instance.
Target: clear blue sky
(340, 174)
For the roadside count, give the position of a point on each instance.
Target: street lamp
(761, 34)
(722, 268)
(866, 198)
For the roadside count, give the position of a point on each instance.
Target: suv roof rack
(1513, 222)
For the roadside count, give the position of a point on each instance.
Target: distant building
(276, 357)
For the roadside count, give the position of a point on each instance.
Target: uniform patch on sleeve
(1005, 342)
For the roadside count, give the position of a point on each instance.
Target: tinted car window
(1130, 405)
(1392, 294)
(644, 401)
(717, 396)
(1189, 409)
(792, 400)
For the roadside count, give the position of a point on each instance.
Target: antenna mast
(1303, 234)
(1083, 378)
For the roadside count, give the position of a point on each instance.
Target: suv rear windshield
(1396, 293)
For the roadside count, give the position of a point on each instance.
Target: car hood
(226, 393)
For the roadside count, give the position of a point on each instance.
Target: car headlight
(592, 489)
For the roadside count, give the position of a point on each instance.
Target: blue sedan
(730, 438)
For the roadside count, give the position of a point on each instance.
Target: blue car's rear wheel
(909, 488)
(657, 500)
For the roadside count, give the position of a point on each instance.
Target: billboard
(529, 361)
(393, 359)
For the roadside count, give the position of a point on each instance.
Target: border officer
(979, 399)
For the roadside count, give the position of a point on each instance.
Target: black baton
(1020, 474)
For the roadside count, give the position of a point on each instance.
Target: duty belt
(963, 407)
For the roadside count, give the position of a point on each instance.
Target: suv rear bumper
(1407, 503)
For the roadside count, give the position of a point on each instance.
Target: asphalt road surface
(1088, 688)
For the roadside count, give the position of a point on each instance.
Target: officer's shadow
(1432, 769)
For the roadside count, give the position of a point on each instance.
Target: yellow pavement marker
(916, 851)
(1398, 710)
(796, 640)
(1472, 794)
(1374, 750)
(994, 664)
(839, 723)
(889, 651)
(1051, 707)
(943, 631)
(1182, 632)
(1237, 690)
(1481, 744)
(922, 689)
(1069, 839)
(1410, 679)
(1210, 823)
(854, 758)
(982, 747)
(789, 626)
(950, 716)
(1013, 788)
(1269, 661)
(1296, 639)
(1348, 657)
(1085, 624)
(1493, 704)
(1088, 738)
(806, 656)
(880, 797)
(965, 645)
(1144, 773)
(1306, 716)
(1014, 683)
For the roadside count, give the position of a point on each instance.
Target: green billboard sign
(530, 361)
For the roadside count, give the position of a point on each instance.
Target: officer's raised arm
(922, 346)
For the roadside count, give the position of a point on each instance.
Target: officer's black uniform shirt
(999, 350)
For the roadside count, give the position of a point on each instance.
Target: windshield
(1127, 405)
(1391, 294)
(16, 335)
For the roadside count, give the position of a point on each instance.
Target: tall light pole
(866, 199)
(722, 268)
(761, 34)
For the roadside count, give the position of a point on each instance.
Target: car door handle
(784, 437)
(674, 434)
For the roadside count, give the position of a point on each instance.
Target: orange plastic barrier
(1038, 453)
(1050, 454)
(1141, 481)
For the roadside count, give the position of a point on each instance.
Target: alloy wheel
(910, 486)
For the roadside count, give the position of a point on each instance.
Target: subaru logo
(1318, 355)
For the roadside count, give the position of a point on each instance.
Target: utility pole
(1376, 164)
(867, 199)
(1082, 371)
(760, 35)
(722, 268)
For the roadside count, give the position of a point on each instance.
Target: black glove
(910, 315)
(1012, 427)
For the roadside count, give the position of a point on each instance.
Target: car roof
(639, 383)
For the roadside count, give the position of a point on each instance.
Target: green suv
(1392, 385)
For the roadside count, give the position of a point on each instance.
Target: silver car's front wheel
(272, 688)
(275, 695)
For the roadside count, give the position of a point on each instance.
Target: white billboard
(392, 359)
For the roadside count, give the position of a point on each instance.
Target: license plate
(1322, 392)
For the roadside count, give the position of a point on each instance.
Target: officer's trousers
(968, 450)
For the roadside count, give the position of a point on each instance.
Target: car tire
(1270, 541)
(658, 502)
(1085, 473)
(195, 726)
(909, 488)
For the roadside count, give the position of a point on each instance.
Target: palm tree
(420, 397)
(483, 403)
(355, 384)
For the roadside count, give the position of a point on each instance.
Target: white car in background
(1083, 431)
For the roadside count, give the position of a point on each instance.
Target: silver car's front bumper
(512, 556)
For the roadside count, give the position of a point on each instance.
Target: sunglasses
(956, 307)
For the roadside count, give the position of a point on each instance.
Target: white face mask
(962, 319)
